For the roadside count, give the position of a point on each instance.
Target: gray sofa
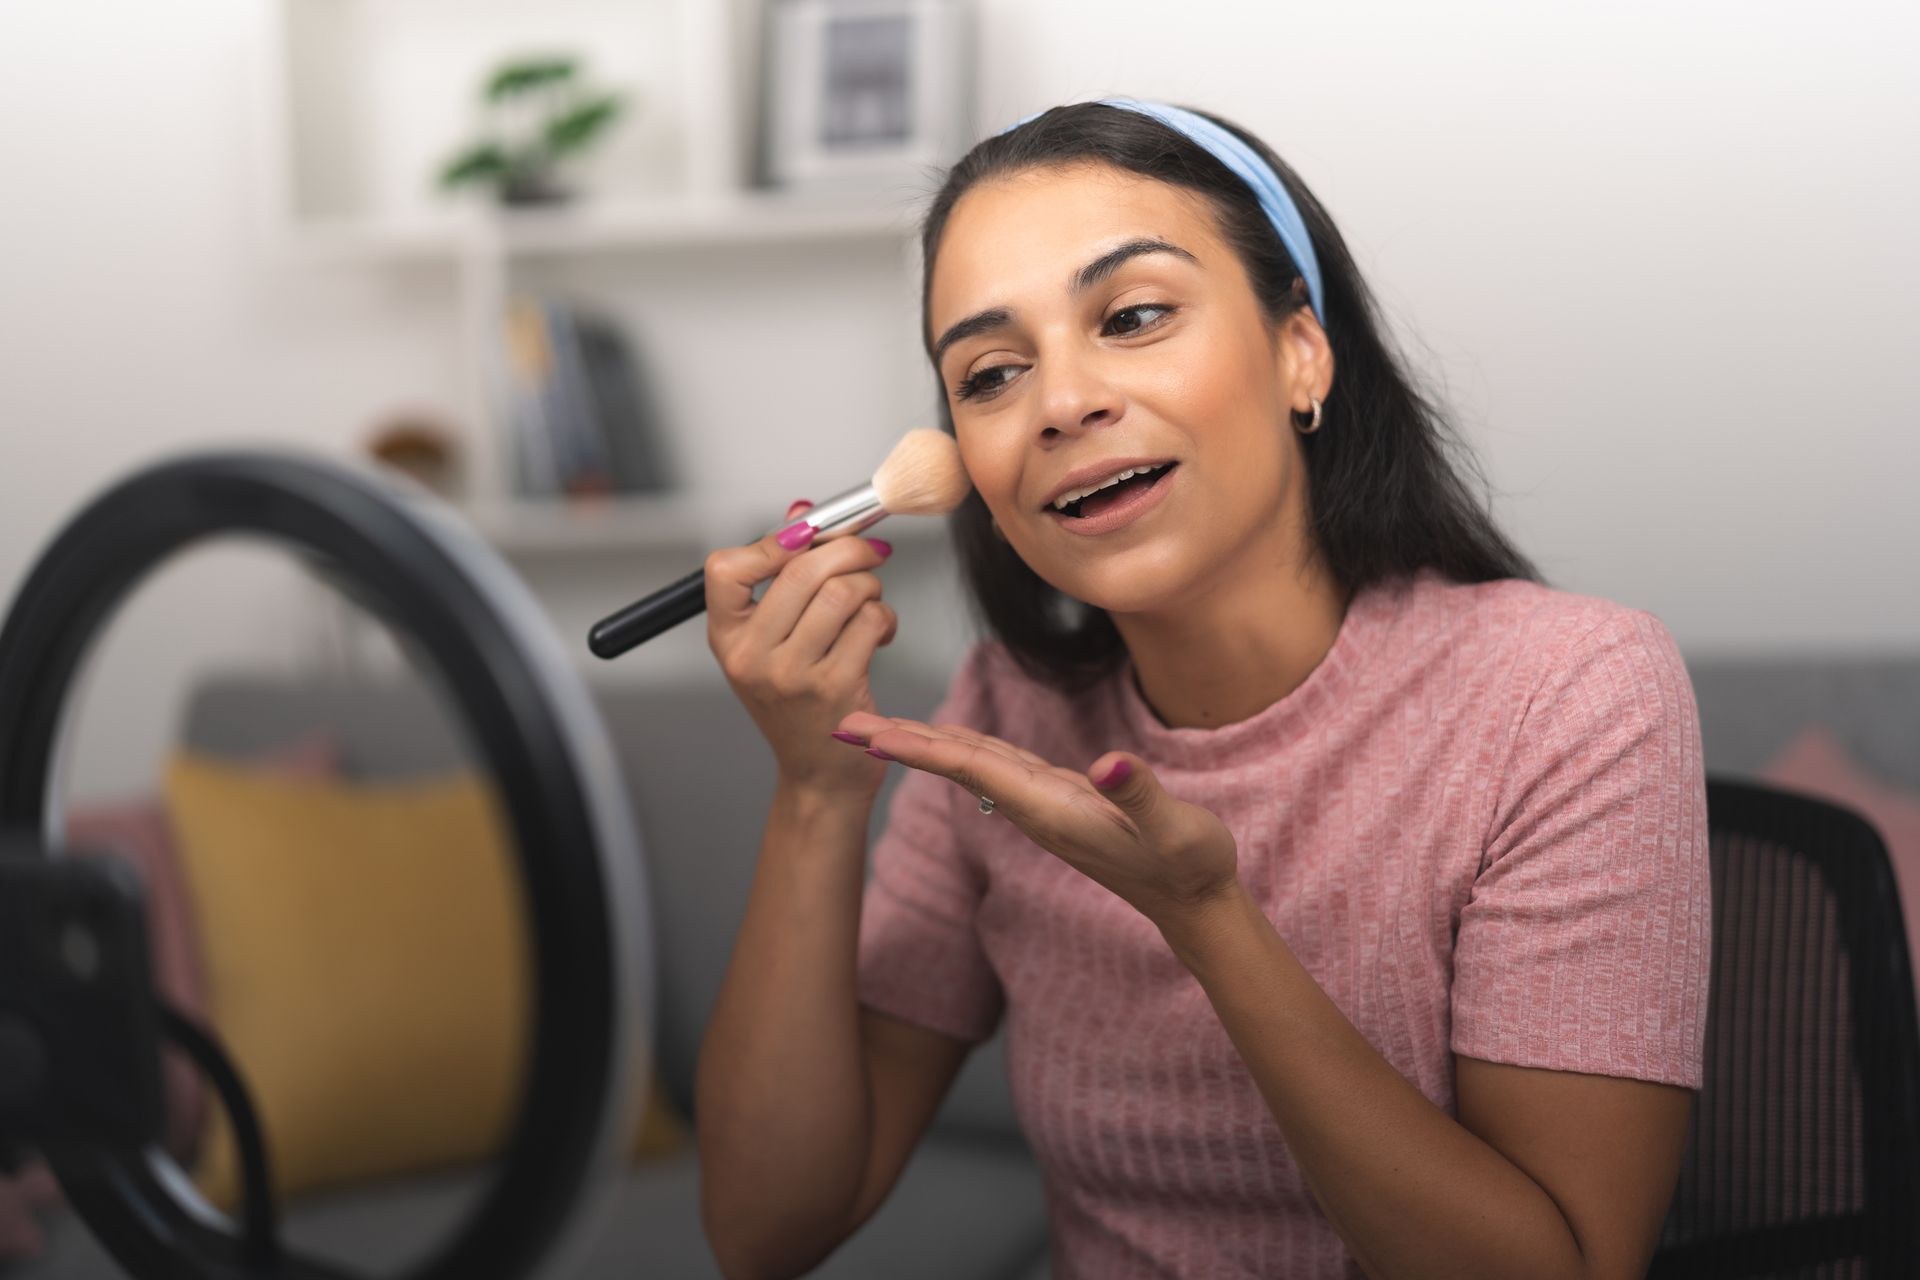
(970, 1204)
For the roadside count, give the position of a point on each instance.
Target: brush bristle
(923, 475)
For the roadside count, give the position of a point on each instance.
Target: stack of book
(569, 394)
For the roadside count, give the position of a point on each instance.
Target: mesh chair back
(1801, 1160)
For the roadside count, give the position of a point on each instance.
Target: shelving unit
(347, 166)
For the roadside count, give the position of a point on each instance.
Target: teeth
(1072, 496)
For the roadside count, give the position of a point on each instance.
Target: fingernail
(875, 751)
(796, 535)
(844, 736)
(797, 506)
(1115, 776)
(881, 545)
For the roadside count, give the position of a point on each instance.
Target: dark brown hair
(1386, 496)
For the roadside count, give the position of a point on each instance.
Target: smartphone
(79, 1026)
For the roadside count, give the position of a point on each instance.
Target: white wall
(1663, 255)
(1660, 257)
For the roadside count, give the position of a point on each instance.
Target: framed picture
(865, 90)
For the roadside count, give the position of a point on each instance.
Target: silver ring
(986, 805)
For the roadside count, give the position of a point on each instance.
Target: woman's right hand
(798, 658)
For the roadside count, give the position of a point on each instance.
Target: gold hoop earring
(1314, 426)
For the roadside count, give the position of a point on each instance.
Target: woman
(1344, 887)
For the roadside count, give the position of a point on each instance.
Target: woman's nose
(1073, 396)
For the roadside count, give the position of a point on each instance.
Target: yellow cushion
(367, 970)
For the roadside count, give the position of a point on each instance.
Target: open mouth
(1112, 505)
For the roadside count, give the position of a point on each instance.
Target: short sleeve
(1584, 944)
(920, 957)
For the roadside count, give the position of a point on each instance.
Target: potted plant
(538, 114)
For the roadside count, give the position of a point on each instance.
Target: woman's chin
(1128, 589)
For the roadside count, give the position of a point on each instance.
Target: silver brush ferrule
(849, 512)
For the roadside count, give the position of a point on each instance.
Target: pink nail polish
(844, 736)
(881, 545)
(796, 535)
(875, 751)
(1116, 775)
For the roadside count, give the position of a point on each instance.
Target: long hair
(1386, 497)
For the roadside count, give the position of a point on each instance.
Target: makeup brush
(921, 477)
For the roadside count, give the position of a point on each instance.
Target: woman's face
(1087, 315)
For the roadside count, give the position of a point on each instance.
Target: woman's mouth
(1115, 507)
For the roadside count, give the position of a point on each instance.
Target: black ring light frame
(537, 729)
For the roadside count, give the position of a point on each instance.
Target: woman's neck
(1227, 662)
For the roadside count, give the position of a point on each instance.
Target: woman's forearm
(1411, 1191)
(782, 1096)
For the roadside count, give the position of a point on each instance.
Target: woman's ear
(1305, 359)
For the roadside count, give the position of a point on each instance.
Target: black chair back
(1806, 1135)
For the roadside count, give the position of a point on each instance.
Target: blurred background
(1658, 260)
(622, 278)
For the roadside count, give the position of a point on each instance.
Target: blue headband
(1250, 168)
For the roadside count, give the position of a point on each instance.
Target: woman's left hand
(1164, 856)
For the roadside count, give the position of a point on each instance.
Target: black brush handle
(646, 618)
(850, 512)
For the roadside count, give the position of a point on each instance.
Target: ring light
(531, 719)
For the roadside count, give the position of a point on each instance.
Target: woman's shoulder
(1519, 626)
(1527, 613)
(1560, 676)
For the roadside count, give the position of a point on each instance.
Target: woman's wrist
(1197, 930)
(808, 796)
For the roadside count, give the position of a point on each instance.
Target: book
(524, 366)
(575, 420)
(636, 445)
(578, 421)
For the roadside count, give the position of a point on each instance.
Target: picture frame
(863, 91)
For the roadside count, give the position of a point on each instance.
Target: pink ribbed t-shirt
(1480, 823)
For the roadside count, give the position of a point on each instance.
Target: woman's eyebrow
(978, 322)
(1109, 262)
(1081, 281)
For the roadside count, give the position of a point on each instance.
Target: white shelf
(672, 523)
(345, 241)
(615, 524)
(742, 219)
(604, 227)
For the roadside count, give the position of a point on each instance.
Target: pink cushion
(1818, 763)
(137, 830)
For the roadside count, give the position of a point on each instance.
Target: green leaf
(515, 78)
(574, 129)
(480, 161)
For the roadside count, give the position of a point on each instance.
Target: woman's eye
(1130, 320)
(985, 383)
(1125, 322)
